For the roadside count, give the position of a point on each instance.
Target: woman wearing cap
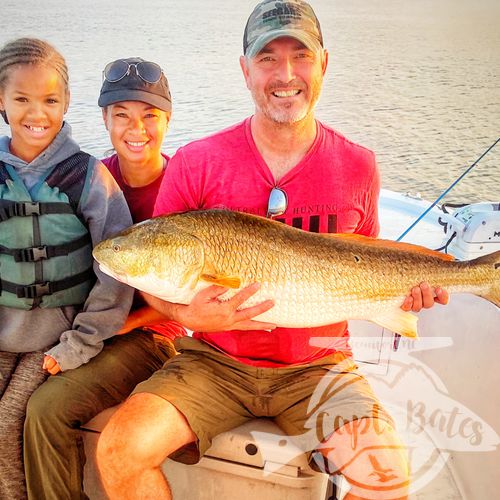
(136, 107)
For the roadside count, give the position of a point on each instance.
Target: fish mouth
(114, 274)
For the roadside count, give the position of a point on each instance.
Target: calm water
(417, 81)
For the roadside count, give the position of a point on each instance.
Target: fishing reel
(472, 230)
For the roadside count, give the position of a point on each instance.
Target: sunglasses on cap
(277, 204)
(115, 71)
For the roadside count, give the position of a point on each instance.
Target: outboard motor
(473, 230)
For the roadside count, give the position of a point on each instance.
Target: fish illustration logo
(383, 475)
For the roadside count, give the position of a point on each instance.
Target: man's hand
(51, 365)
(424, 297)
(206, 313)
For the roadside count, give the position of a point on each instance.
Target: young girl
(136, 107)
(56, 307)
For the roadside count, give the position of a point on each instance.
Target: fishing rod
(397, 336)
(446, 191)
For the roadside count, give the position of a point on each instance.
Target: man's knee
(120, 450)
(116, 455)
(141, 435)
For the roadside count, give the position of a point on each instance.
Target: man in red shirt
(230, 372)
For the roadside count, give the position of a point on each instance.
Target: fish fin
(190, 277)
(398, 321)
(396, 245)
(221, 280)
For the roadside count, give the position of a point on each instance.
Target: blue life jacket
(45, 248)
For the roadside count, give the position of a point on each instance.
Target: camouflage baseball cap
(272, 19)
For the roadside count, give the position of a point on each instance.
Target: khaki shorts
(217, 393)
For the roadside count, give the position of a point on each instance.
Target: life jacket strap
(37, 290)
(9, 209)
(34, 254)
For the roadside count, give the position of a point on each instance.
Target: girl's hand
(51, 365)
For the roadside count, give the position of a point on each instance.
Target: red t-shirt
(334, 189)
(141, 201)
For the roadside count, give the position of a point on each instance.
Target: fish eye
(116, 248)
(357, 259)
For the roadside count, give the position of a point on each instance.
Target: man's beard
(287, 115)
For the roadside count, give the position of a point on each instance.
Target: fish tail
(491, 262)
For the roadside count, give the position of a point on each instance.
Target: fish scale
(314, 279)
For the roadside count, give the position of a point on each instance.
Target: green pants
(53, 446)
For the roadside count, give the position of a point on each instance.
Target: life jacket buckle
(31, 254)
(34, 291)
(26, 208)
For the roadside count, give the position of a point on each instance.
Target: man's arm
(206, 313)
(143, 316)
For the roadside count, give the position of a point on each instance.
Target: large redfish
(314, 279)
